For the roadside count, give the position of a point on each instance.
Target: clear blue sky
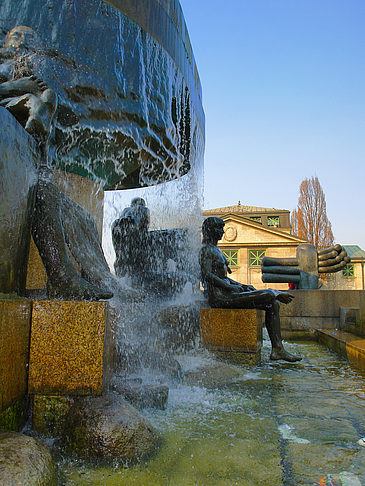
(284, 98)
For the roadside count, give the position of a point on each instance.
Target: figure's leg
(64, 281)
(84, 244)
(272, 323)
(83, 240)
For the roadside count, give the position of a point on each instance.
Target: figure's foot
(77, 289)
(280, 353)
(34, 111)
(285, 297)
(22, 86)
(41, 112)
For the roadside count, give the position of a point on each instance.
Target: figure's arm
(206, 264)
(244, 287)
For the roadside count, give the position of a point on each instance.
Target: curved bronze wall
(164, 20)
(130, 111)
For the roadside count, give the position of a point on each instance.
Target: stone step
(346, 344)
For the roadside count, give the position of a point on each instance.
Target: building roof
(240, 208)
(355, 252)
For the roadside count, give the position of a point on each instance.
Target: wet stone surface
(273, 424)
(25, 461)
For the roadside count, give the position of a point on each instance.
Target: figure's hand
(235, 288)
(285, 297)
(332, 259)
(248, 287)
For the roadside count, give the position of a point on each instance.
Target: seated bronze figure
(153, 260)
(226, 293)
(60, 227)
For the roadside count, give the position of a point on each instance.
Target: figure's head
(21, 38)
(140, 213)
(138, 201)
(213, 228)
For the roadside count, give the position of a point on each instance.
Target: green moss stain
(50, 414)
(14, 417)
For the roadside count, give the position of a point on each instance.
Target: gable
(241, 232)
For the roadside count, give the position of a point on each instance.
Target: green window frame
(255, 257)
(273, 221)
(257, 219)
(348, 271)
(232, 257)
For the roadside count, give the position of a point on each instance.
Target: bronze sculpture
(224, 292)
(26, 96)
(129, 236)
(153, 260)
(60, 227)
(304, 270)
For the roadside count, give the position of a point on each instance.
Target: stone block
(18, 177)
(350, 320)
(69, 350)
(231, 331)
(14, 349)
(317, 309)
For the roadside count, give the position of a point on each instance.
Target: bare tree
(309, 220)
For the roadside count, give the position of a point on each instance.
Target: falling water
(145, 342)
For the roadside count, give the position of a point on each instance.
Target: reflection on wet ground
(274, 424)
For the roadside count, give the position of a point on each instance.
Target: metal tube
(280, 270)
(268, 261)
(276, 278)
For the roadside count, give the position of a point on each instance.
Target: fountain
(79, 121)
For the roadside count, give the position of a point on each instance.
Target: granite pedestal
(233, 334)
(69, 348)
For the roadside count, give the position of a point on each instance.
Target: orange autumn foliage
(309, 220)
